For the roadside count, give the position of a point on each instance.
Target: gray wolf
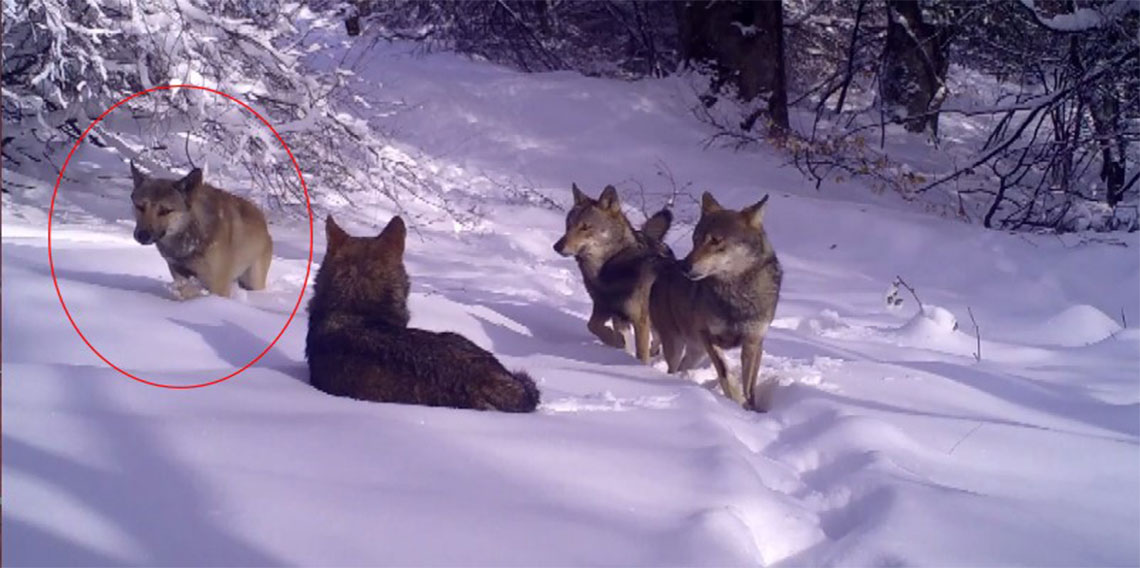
(203, 232)
(721, 296)
(619, 265)
(359, 344)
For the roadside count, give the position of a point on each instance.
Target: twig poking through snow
(977, 334)
(963, 439)
(901, 282)
(188, 157)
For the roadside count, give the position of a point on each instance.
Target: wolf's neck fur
(749, 293)
(379, 314)
(193, 238)
(184, 244)
(591, 262)
(333, 320)
(327, 309)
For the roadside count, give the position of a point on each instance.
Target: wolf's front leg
(184, 286)
(597, 326)
(219, 284)
(750, 354)
(641, 336)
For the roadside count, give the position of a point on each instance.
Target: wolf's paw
(186, 290)
(615, 340)
(761, 400)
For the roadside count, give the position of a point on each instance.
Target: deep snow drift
(889, 442)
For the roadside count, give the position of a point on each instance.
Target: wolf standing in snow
(618, 264)
(360, 346)
(202, 231)
(722, 296)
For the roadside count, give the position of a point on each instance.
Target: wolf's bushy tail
(509, 392)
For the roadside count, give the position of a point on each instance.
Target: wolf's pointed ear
(754, 214)
(579, 197)
(656, 226)
(709, 204)
(394, 235)
(137, 176)
(333, 234)
(191, 182)
(609, 199)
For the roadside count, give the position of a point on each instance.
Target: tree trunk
(742, 43)
(914, 65)
(352, 25)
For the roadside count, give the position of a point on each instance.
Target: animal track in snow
(607, 402)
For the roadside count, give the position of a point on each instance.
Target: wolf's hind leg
(255, 276)
(625, 331)
(750, 354)
(671, 349)
(721, 368)
(694, 354)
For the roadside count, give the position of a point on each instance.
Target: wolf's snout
(560, 246)
(687, 270)
(145, 237)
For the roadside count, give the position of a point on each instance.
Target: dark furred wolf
(203, 232)
(723, 295)
(618, 264)
(360, 346)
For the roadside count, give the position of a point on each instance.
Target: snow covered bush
(614, 39)
(68, 61)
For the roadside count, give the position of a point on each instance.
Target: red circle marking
(308, 205)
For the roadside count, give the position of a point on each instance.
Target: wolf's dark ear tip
(397, 224)
(666, 213)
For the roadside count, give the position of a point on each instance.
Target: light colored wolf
(722, 295)
(203, 232)
(619, 265)
(359, 344)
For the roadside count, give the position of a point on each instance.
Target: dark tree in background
(915, 61)
(1061, 104)
(742, 44)
(624, 39)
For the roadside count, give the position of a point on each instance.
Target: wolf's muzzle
(687, 270)
(560, 247)
(145, 237)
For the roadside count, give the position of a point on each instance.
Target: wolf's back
(414, 366)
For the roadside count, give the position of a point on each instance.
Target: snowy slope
(889, 443)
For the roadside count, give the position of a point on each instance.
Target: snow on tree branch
(1083, 19)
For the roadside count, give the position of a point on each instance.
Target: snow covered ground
(889, 444)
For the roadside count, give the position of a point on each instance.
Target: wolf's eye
(715, 241)
(139, 207)
(163, 211)
(584, 227)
